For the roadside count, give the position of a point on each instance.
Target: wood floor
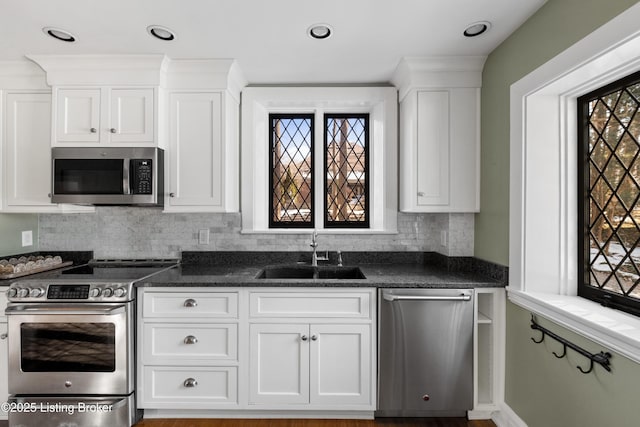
(379, 422)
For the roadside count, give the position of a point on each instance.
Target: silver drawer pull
(190, 303)
(190, 339)
(190, 382)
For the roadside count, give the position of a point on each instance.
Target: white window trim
(543, 183)
(382, 105)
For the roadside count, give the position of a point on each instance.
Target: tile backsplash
(130, 232)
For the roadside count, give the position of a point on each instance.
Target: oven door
(70, 349)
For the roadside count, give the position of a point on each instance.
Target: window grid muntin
(607, 103)
(291, 219)
(361, 183)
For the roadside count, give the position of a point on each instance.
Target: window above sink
(378, 104)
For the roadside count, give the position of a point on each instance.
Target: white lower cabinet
(258, 352)
(489, 352)
(188, 344)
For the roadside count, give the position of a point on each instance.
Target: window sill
(613, 329)
(323, 231)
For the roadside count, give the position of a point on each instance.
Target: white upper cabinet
(27, 154)
(439, 134)
(203, 136)
(110, 100)
(105, 116)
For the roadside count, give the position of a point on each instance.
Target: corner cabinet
(230, 352)
(26, 152)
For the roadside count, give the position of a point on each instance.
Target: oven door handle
(84, 309)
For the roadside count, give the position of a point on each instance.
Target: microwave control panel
(141, 176)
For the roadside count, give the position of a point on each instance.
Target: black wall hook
(601, 358)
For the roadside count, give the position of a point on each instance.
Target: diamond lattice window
(346, 168)
(291, 166)
(610, 176)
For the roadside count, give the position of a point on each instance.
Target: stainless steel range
(71, 344)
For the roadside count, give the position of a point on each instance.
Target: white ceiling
(267, 37)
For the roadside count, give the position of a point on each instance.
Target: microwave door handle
(126, 185)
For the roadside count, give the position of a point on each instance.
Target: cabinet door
(78, 115)
(433, 148)
(279, 364)
(131, 118)
(28, 151)
(196, 154)
(341, 364)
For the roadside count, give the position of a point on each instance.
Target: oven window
(88, 176)
(68, 347)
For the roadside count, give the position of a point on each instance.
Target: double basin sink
(310, 272)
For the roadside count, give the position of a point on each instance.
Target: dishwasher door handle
(392, 297)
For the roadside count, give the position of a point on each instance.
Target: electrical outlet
(443, 238)
(27, 238)
(203, 237)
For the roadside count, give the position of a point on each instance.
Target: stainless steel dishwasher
(425, 352)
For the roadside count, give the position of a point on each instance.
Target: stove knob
(95, 292)
(36, 292)
(107, 292)
(23, 292)
(12, 292)
(120, 292)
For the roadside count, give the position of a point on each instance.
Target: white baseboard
(506, 417)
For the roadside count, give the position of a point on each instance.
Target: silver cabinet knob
(113, 130)
(172, 194)
(49, 195)
(190, 303)
(314, 338)
(190, 339)
(3, 336)
(93, 130)
(420, 193)
(190, 382)
(304, 338)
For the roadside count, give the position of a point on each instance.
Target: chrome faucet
(314, 244)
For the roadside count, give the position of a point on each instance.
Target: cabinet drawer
(178, 343)
(190, 305)
(170, 386)
(310, 304)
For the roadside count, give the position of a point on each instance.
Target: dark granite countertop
(422, 270)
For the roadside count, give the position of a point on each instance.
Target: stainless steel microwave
(108, 176)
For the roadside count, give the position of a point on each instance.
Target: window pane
(613, 170)
(346, 166)
(291, 178)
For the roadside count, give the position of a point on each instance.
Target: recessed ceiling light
(319, 31)
(477, 28)
(59, 34)
(162, 33)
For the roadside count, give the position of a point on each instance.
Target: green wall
(11, 227)
(542, 390)
(548, 392)
(554, 28)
